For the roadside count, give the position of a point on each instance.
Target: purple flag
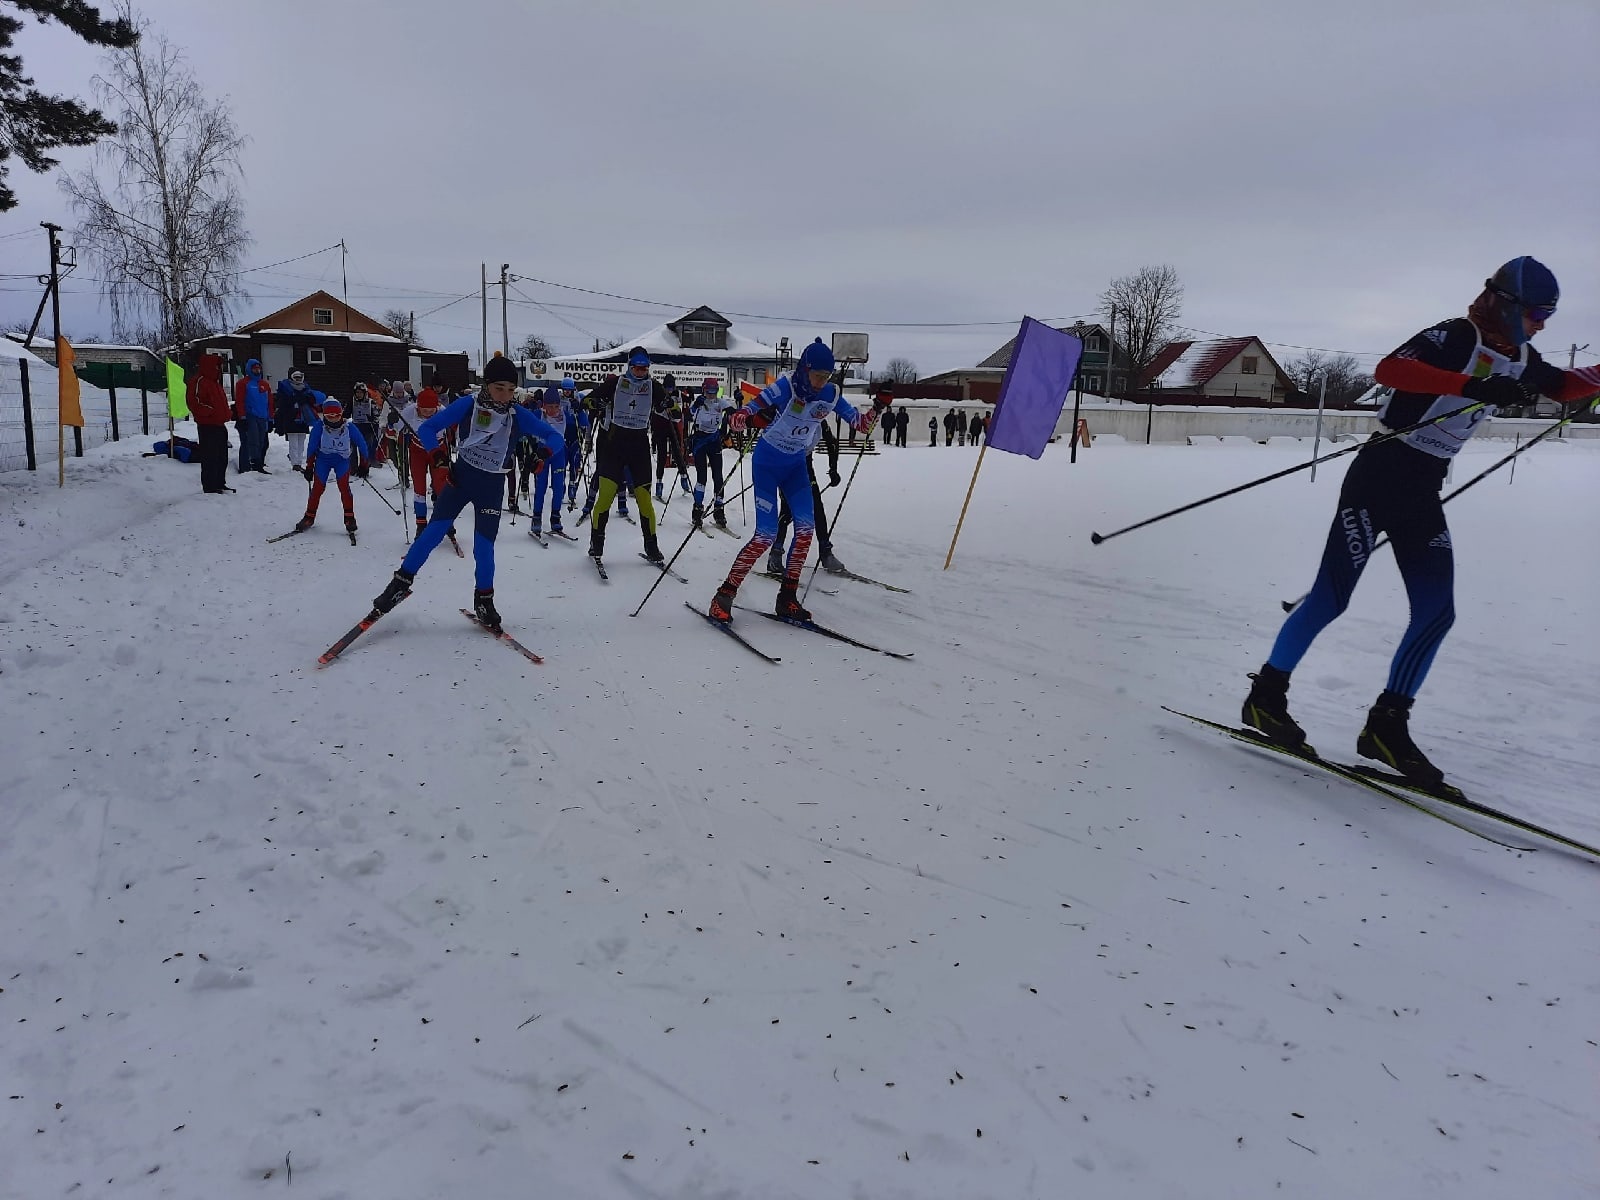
(1043, 364)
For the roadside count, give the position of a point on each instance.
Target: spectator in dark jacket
(975, 430)
(296, 411)
(252, 417)
(933, 431)
(902, 421)
(208, 405)
(950, 427)
(961, 428)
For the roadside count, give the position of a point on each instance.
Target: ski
(538, 537)
(501, 635)
(830, 633)
(460, 553)
(290, 534)
(1454, 795)
(662, 567)
(729, 532)
(628, 517)
(601, 568)
(779, 577)
(1251, 737)
(728, 629)
(561, 533)
(343, 644)
(888, 587)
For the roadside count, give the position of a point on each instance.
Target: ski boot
(652, 548)
(722, 603)
(555, 524)
(659, 494)
(697, 515)
(622, 510)
(350, 522)
(788, 605)
(831, 564)
(597, 541)
(775, 560)
(483, 608)
(1266, 709)
(399, 588)
(1387, 739)
(688, 488)
(720, 517)
(305, 522)
(535, 526)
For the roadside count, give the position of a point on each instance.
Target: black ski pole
(1097, 538)
(681, 546)
(368, 482)
(833, 525)
(1291, 605)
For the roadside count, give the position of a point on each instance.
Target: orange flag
(67, 383)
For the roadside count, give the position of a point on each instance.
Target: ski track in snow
(436, 921)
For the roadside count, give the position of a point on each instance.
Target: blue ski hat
(817, 357)
(567, 384)
(1523, 286)
(637, 357)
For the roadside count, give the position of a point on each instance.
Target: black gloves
(833, 476)
(1502, 391)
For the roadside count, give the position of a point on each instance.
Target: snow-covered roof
(354, 337)
(13, 349)
(662, 341)
(1199, 362)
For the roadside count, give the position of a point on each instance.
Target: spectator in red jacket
(208, 404)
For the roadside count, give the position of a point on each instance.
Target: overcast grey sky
(1331, 174)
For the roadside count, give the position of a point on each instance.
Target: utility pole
(344, 279)
(1572, 355)
(483, 288)
(505, 330)
(55, 319)
(1111, 350)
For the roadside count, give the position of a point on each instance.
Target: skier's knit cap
(1528, 281)
(637, 357)
(500, 369)
(817, 357)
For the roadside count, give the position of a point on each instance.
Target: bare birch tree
(896, 370)
(1147, 305)
(162, 217)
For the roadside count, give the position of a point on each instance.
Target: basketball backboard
(850, 347)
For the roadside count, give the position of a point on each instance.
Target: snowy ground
(660, 920)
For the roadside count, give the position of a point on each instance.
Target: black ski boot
(399, 588)
(350, 522)
(775, 560)
(1387, 739)
(597, 537)
(1266, 709)
(697, 515)
(483, 608)
(831, 564)
(720, 517)
(788, 605)
(652, 548)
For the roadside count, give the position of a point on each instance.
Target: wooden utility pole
(505, 329)
(55, 320)
(483, 289)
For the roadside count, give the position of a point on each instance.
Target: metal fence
(29, 406)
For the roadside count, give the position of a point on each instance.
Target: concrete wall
(1174, 424)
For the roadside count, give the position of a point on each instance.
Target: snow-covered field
(658, 919)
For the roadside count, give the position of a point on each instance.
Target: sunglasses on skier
(1534, 312)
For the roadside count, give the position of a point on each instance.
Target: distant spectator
(933, 431)
(902, 421)
(296, 412)
(950, 427)
(975, 430)
(961, 427)
(252, 417)
(208, 405)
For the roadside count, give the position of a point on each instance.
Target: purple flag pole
(1044, 362)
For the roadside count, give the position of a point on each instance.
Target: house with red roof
(1235, 371)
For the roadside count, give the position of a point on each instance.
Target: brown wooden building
(336, 346)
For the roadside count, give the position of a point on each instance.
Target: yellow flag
(67, 383)
(177, 396)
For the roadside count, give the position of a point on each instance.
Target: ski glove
(833, 476)
(1502, 391)
(541, 455)
(760, 419)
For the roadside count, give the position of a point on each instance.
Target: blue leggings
(1379, 494)
(554, 478)
(468, 485)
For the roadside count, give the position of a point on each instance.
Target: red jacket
(208, 403)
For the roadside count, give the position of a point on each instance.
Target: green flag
(177, 401)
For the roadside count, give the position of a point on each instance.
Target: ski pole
(833, 525)
(378, 494)
(1097, 538)
(1291, 605)
(687, 538)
